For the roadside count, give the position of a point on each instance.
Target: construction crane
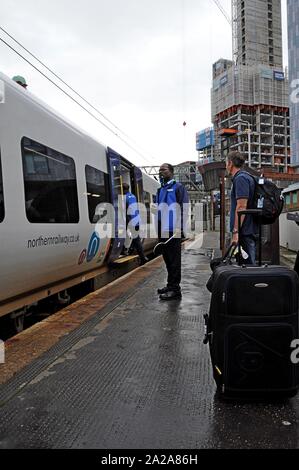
(225, 14)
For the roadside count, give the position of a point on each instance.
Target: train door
(114, 161)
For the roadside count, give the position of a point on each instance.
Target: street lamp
(248, 130)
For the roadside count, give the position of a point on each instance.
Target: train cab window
(50, 185)
(96, 189)
(1, 195)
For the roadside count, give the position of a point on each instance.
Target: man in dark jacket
(242, 195)
(171, 198)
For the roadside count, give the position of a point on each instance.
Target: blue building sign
(223, 80)
(205, 138)
(278, 76)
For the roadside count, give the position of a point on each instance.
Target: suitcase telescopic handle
(250, 212)
(256, 212)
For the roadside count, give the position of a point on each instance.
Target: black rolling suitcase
(252, 322)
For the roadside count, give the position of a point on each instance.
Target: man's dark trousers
(172, 258)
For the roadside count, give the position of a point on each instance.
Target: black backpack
(268, 198)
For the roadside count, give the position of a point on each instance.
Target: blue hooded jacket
(170, 216)
(131, 209)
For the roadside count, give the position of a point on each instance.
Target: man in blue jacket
(132, 216)
(171, 198)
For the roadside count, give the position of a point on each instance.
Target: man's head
(234, 162)
(20, 80)
(166, 172)
(126, 188)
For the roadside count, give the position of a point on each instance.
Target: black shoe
(163, 290)
(143, 261)
(171, 295)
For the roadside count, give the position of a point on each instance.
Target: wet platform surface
(136, 375)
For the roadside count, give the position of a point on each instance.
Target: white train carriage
(53, 176)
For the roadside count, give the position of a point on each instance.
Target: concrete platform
(122, 370)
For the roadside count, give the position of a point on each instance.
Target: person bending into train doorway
(171, 224)
(132, 216)
(242, 194)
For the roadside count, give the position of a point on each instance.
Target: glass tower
(293, 34)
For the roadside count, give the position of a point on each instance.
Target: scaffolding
(258, 96)
(251, 93)
(250, 85)
(257, 32)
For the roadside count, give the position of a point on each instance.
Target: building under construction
(250, 95)
(293, 33)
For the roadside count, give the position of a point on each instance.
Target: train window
(295, 198)
(96, 189)
(1, 195)
(50, 185)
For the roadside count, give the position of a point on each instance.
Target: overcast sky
(145, 64)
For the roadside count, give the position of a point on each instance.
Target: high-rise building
(293, 33)
(257, 32)
(251, 94)
(205, 145)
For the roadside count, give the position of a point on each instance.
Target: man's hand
(154, 209)
(235, 238)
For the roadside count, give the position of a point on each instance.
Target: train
(54, 177)
(289, 230)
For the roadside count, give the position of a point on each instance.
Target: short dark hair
(170, 167)
(126, 187)
(237, 159)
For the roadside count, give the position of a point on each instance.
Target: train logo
(92, 250)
